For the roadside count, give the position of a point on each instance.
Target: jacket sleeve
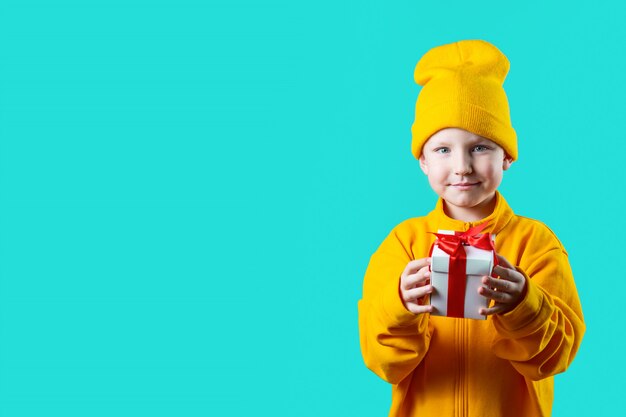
(393, 340)
(541, 336)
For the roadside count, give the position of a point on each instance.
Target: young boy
(444, 366)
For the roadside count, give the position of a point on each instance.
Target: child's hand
(507, 291)
(414, 286)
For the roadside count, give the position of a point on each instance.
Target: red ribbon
(453, 246)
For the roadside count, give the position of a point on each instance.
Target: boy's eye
(442, 150)
(480, 148)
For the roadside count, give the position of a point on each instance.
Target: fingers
(501, 284)
(414, 295)
(511, 281)
(506, 291)
(498, 308)
(414, 286)
(497, 296)
(509, 274)
(419, 308)
(414, 266)
(503, 261)
(418, 278)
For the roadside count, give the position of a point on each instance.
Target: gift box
(459, 261)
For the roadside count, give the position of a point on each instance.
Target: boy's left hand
(507, 291)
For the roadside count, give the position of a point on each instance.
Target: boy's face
(465, 170)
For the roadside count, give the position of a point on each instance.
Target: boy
(443, 366)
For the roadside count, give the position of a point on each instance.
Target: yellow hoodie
(502, 366)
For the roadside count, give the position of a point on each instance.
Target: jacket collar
(496, 221)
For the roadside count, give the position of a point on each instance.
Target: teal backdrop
(190, 192)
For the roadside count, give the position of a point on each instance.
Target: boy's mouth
(464, 185)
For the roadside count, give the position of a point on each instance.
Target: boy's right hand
(415, 286)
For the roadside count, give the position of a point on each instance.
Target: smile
(465, 185)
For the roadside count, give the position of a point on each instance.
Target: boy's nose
(462, 165)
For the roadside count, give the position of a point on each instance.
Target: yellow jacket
(502, 366)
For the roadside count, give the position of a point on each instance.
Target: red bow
(453, 244)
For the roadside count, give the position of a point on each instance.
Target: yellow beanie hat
(462, 87)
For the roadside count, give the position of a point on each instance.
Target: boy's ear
(506, 162)
(423, 164)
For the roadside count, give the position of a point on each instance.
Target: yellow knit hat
(462, 87)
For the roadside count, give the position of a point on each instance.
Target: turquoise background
(190, 193)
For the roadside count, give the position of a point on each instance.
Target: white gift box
(479, 262)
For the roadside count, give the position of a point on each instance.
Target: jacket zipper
(461, 379)
(462, 409)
